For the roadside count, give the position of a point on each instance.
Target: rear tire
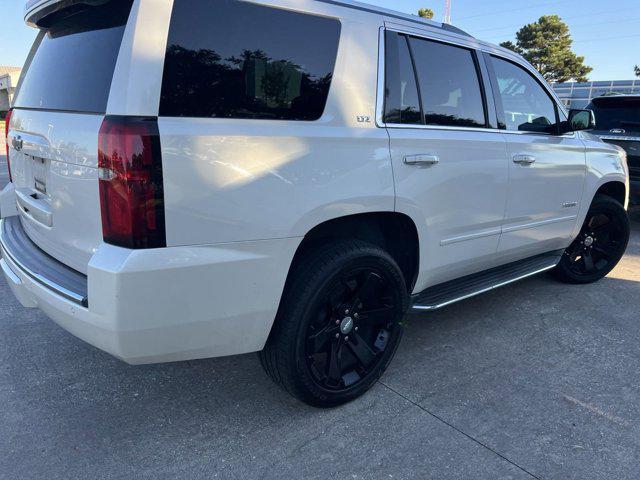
(599, 246)
(339, 323)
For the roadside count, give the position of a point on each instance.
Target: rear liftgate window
(232, 59)
(74, 58)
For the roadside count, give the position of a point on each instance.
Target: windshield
(617, 113)
(73, 59)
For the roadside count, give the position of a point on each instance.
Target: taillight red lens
(7, 121)
(131, 184)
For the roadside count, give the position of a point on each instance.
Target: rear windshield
(232, 59)
(617, 113)
(73, 59)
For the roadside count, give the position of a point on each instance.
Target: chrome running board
(439, 296)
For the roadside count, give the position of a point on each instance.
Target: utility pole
(447, 12)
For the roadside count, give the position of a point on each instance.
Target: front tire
(339, 323)
(599, 246)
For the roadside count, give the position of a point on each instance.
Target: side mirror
(580, 120)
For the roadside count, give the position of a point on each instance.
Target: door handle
(523, 159)
(422, 160)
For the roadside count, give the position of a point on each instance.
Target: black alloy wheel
(354, 322)
(599, 246)
(339, 323)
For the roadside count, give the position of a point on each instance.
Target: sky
(605, 33)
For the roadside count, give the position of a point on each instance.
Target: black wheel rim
(355, 325)
(598, 246)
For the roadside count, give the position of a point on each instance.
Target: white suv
(198, 178)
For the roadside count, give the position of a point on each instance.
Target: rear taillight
(7, 121)
(131, 186)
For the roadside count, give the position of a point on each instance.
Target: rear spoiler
(37, 11)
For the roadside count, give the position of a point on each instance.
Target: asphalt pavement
(536, 380)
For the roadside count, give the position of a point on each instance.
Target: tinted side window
(233, 59)
(449, 84)
(527, 106)
(402, 103)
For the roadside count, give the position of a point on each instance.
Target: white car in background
(202, 178)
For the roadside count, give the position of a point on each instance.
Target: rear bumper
(40, 267)
(167, 304)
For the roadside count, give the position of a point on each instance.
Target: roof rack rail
(365, 7)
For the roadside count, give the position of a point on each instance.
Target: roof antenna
(447, 12)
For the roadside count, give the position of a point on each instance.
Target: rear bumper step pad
(38, 265)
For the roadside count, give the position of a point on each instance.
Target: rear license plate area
(40, 169)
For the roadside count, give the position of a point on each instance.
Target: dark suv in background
(618, 122)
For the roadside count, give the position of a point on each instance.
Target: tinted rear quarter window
(233, 59)
(74, 59)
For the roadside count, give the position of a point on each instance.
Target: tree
(637, 70)
(546, 44)
(426, 13)
(511, 46)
